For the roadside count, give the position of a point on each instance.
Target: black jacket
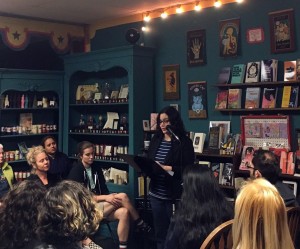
(180, 155)
(78, 174)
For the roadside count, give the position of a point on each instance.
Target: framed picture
(282, 31)
(114, 94)
(116, 124)
(229, 33)
(176, 106)
(196, 47)
(225, 130)
(171, 82)
(197, 99)
(123, 94)
(255, 35)
(292, 185)
(146, 125)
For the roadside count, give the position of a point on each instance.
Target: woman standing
(39, 161)
(202, 207)
(7, 178)
(173, 150)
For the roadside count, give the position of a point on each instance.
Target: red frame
(266, 117)
(258, 29)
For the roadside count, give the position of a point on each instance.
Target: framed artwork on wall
(171, 82)
(197, 99)
(255, 35)
(229, 32)
(196, 47)
(282, 31)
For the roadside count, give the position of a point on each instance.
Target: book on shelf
(227, 176)
(290, 96)
(252, 72)
(269, 97)
(298, 69)
(290, 70)
(234, 98)
(224, 75)
(221, 100)
(238, 73)
(205, 163)
(215, 137)
(217, 169)
(268, 70)
(252, 97)
(247, 156)
(198, 142)
(141, 185)
(297, 163)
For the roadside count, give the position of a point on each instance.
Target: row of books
(222, 171)
(232, 98)
(259, 71)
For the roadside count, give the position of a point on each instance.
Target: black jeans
(161, 212)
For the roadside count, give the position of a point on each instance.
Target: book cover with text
(252, 97)
(252, 72)
(234, 98)
(290, 73)
(221, 100)
(238, 73)
(224, 75)
(269, 97)
(268, 70)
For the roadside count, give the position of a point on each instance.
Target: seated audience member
(60, 164)
(7, 178)
(201, 209)
(266, 164)
(39, 161)
(68, 215)
(18, 215)
(116, 206)
(260, 219)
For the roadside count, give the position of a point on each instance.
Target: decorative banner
(197, 98)
(196, 47)
(229, 31)
(282, 31)
(16, 33)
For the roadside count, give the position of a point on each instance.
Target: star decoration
(16, 35)
(60, 39)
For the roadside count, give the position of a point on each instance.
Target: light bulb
(164, 15)
(197, 7)
(218, 4)
(147, 17)
(239, 1)
(179, 10)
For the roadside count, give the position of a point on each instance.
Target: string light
(147, 17)
(164, 15)
(217, 3)
(239, 1)
(198, 6)
(179, 9)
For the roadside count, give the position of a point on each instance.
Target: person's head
(85, 152)
(1, 154)
(18, 214)
(38, 159)
(249, 150)
(266, 164)
(68, 214)
(170, 116)
(260, 219)
(49, 144)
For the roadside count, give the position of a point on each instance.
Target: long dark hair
(18, 214)
(202, 207)
(175, 121)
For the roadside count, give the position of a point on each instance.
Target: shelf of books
(255, 87)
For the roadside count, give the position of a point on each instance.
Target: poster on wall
(197, 98)
(229, 31)
(171, 82)
(282, 31)
(196, 48)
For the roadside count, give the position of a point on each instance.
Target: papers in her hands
(143, 164)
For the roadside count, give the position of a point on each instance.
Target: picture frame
(196, 47)
(292, 185)
(225, 125)
(171, 83)
(176, 106)
(114, 95)
(282, 31)
(146, 125)
(229, 37)
(123, 94)
(197, 100)
(255, 35)
(115, 124)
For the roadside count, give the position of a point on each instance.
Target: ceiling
(82, 11)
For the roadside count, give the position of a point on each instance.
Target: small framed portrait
(171, 82)
(282, 31)
(255, 35)
(146, 125)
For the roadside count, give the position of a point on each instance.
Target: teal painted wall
(169, 38)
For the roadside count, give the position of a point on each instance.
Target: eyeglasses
(165, 121)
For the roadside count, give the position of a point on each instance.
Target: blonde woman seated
(260, 220)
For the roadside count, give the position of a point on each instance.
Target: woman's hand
(114, 200)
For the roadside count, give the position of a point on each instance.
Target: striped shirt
(158, 183)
